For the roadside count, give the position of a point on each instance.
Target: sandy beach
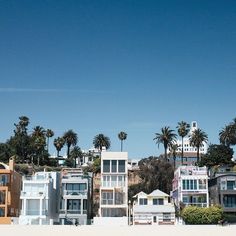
(178, 230)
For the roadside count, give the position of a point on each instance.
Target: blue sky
(108, 66)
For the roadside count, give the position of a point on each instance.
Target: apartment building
(10, 186)
(76, 197)
(40, 199)
(190, 186)
(153, 209)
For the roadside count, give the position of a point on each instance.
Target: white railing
(75, 192)
(32, 194)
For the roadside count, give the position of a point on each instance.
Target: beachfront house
(222, 190)
(154, 209)
(113, 207)
(190, 186)
(39, 198)
(10, 186)
(76, 197)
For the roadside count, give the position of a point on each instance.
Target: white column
(24, 207)
(40, 206)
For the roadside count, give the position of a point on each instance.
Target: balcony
(32, 194)
(79, 193)
(203, 204)
(73, 212)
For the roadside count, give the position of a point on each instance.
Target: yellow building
(10, 187)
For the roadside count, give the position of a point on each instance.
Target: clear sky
(106, 66)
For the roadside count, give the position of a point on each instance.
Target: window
(113, 181)
(229, 201)
(85, 206)
(107, 198)
(230, 185)
(158, 201)
(166, 217)
(106, 166)
(32, 206)
(76, 187)
(113, 166)
(142, 201)
(154, 219)
(189, 184)
(74, 205)
(2, 197)
(202, 183)
(121, 167)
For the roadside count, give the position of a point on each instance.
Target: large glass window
(32, 207)
(2, 211)
(74, 206)
(106, 166)
(158, 201)
(76, 187)
(114, 166)
(113, 181)
(107, 198)
(189, 184)
(121, 167)
(85, 206)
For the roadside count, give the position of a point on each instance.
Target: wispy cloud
(49, 90)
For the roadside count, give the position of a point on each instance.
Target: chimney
(12, 163)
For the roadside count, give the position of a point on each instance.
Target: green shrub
(197, 215)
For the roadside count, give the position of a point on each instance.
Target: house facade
(190, 186)
(40, 199)
(113, 203)
(153, 209)
(10, 187)
(76, 197)
(222, 190)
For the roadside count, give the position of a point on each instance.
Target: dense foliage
(197, 215)
(217, 155)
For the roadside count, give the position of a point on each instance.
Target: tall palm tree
(166, 137)
(100, 141)
(76, 153)
(49, 134)
(174, 151)
(183, 129)
(228, 134)
(71, 139)
(198, 137)
(122, 136)
(38, 131)
(59, 142)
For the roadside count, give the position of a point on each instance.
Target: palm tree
(39, 144)
(166, 137)
(71, 139)
(49, 134)
(228, 134)
(198, 137)
(183, 129)
(76, 153)
(38, 131)
(59, 143)
(100, 141)
(122, 136)
(174, 151)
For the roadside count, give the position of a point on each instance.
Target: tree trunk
(198, 154)
(68, 151)
(121, 145)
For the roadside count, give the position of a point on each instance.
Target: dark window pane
(114, 166)
(121, 167)
(106, 166)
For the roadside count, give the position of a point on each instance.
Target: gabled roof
(140, 194)
(158, 193)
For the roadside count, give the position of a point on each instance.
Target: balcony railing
(203, 204)
(36, 212)
(32, 194)
(77, 212)
(75, 192)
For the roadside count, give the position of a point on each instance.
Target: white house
(190, 186)
(114, 189)
(39, 198)
(153, 208)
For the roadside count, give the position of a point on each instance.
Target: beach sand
(59, 230)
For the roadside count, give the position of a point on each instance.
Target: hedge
(197, 215)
